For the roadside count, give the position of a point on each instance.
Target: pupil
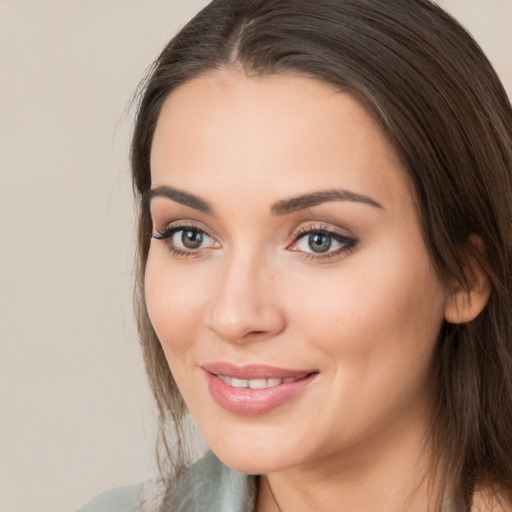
(191, 239)
(319, 242)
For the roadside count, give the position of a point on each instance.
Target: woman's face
(287, 278)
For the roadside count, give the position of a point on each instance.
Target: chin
(248, 463)
(251, 458)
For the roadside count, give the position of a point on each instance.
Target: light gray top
(208, 486)
(126, 499)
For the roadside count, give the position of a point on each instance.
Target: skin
(366, 319)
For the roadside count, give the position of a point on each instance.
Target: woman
(325, 259)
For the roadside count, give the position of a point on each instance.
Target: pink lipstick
(254, 389)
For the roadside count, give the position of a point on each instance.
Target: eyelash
(347, 242)
(167, 233)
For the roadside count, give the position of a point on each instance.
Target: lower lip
(249, 402)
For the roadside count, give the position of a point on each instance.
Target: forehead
(289, 133)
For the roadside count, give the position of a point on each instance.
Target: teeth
(226, 380)
(255, 383)
(239, 383)
(258, 383)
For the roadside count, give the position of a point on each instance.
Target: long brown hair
(423, 77)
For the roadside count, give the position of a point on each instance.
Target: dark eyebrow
(282, 207)
(180, 197)
(315, 198)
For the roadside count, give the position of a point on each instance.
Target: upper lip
(254, 371)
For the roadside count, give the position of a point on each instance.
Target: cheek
(377, 320)
(376, 331)
(174, 303)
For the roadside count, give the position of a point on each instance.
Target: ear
(466, 300)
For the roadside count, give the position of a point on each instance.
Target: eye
(189, 238)
(317, 242)
(185, 240)
(322, 243)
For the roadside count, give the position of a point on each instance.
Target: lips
(254, 389)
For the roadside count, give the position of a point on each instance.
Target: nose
(245, 306)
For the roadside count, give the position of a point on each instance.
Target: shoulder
(210, 485)
(207, 485)
(120, 499)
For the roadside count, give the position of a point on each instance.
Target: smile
(256, 383)
(254, 389)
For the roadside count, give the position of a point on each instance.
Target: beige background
(75, 413)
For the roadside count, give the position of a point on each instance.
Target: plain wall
(76, 417)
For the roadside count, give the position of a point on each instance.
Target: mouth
(255, 389)
(257, 383)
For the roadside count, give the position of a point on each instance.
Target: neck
(387, 475)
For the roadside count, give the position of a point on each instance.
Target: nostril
(254, 333)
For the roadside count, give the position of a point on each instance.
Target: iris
(319, 242)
